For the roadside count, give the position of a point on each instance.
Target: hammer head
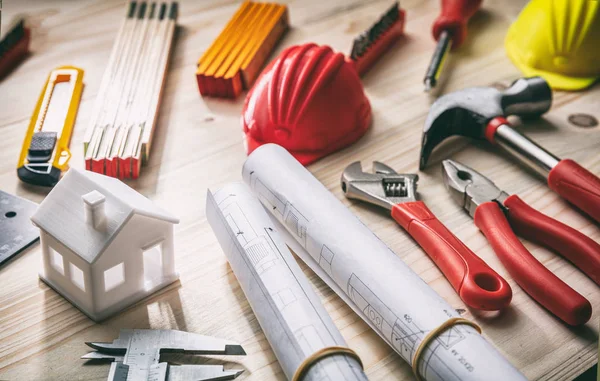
(468, 111)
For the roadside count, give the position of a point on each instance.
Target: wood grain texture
(198, 144)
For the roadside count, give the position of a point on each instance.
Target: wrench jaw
(383, 169)
(384, 187)
(470, 188)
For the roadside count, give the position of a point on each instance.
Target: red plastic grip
(541, 284)
(492, 126)
(478, 285)
(577, 185)
(453, 18)
(539, 228)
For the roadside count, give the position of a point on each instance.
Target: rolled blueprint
(287, 308)
(367, 275)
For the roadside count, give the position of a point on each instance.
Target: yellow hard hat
(558, 40)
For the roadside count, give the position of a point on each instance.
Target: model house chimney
(94, 209)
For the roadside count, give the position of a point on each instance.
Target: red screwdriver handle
(578, 248)
(475, 282)
(453, 18)
(577, 185)
(541, 284)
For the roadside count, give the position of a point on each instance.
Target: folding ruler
(234, 60)
(136, 355)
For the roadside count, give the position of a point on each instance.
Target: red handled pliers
(499, 216)
(477, 284)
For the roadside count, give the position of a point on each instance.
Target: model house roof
(86, 210)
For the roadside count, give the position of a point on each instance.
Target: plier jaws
(470, 188)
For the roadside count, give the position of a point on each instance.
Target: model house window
(114, 277)
(77, 276)
(153, 262)
(56, 260)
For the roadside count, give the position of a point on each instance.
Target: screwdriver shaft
(437, 60)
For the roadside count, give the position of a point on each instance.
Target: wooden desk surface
(198, 144)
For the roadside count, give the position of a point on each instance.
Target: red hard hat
(310, 101)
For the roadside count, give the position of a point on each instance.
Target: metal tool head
(125, 352)
(468, 187)
(169, 341)
(201, 373)
(466, 112)
(383, 187)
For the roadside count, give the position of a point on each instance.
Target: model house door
(153, 265)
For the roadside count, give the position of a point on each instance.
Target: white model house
(104, 246)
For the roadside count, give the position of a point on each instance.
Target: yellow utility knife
(45, 152)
